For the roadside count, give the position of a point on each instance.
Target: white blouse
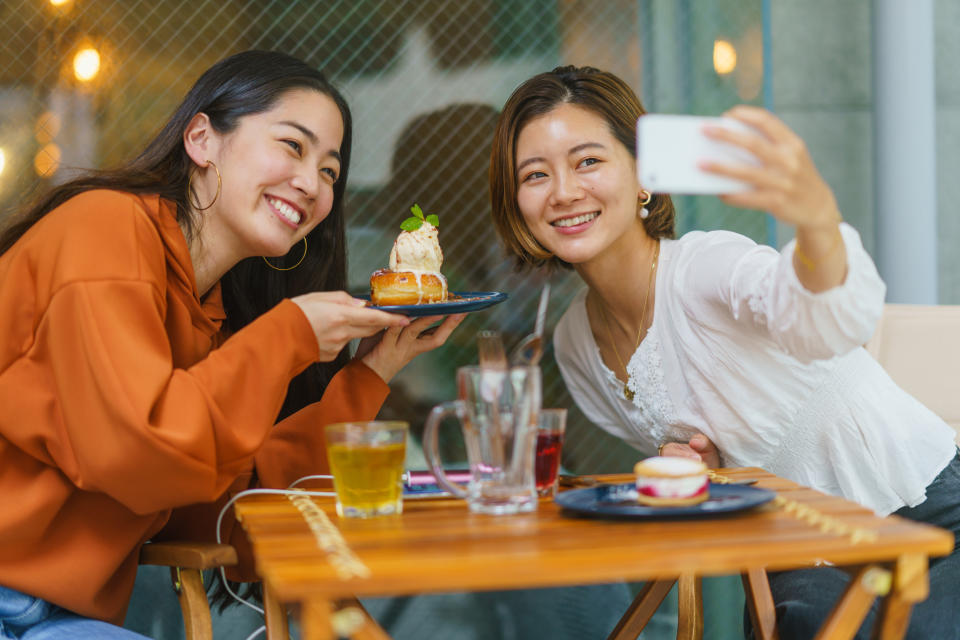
(774, 374)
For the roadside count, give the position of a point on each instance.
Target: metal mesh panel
(424, 79)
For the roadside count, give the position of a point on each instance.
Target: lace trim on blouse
(651, 412)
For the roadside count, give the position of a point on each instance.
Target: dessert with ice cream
(414, 275)
(668, 481)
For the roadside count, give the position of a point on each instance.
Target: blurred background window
(85, 83)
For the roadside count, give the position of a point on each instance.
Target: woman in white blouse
(711, 345)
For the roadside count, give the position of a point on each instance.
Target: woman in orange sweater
(157, 322)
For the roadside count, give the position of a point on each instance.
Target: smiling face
(576, 184)
(278, 169)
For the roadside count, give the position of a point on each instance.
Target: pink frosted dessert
(663, 481)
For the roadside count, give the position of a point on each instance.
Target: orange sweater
(118, 402)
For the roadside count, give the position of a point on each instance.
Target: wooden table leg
(350, 620)
(641, 610)
(848, 614)
(910, 585)
(315, 619)
(275, 616)
(366, 628)
(690, 607)
(763, 613)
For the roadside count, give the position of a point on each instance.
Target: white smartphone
(670, 148)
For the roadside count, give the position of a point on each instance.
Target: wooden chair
(919, 346)
(187, 561)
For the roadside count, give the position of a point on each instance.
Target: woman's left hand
(390, 350)
(700, 448)
(786, 182)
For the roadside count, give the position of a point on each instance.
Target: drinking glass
(497, 408)
(550, 428)
(366, 461)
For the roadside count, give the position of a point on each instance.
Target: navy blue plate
(620, 501)
(465, 301)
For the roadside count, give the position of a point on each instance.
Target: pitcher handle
(431, 448)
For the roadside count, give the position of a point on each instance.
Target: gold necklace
(627, 393)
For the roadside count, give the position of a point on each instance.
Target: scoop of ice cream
(417, 250)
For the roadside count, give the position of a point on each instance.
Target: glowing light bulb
(724, 57)
(47, 160)
(86, 64)
(58, 3)
(47, 126)
(3, 161)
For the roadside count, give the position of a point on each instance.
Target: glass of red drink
(549, 444)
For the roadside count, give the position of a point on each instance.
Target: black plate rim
(475, 301)
(567, 500)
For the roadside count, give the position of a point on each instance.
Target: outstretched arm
(786, 184)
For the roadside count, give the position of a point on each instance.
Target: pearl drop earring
(647, 197)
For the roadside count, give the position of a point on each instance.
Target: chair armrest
(188, 555)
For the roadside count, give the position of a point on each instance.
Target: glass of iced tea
(549, 443)
(366, 461)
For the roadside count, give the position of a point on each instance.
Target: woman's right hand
(337, 318)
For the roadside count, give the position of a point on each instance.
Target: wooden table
(310, 558)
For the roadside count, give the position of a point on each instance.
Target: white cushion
(919, 346)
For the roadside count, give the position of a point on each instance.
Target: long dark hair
(598, 91)
(243, 84)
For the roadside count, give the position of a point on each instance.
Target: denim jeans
(24, 617)
(805, 597)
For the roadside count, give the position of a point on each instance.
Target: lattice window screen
(424, 78)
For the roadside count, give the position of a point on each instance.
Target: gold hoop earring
(215, 196)
(644, 212)
(294, 266)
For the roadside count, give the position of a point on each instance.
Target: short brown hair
(598, 91)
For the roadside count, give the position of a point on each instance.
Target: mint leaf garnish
(415, 222)
(411, 224)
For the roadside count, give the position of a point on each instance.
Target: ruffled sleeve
(722, 275)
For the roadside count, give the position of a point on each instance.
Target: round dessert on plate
(388, 287)
(414, 275)
(671, 482)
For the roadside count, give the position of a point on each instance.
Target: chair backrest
(919, 346)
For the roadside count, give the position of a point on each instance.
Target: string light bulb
(86, 64)
(47, 160)
(724, 57)
(47, 127)
(3, 160)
